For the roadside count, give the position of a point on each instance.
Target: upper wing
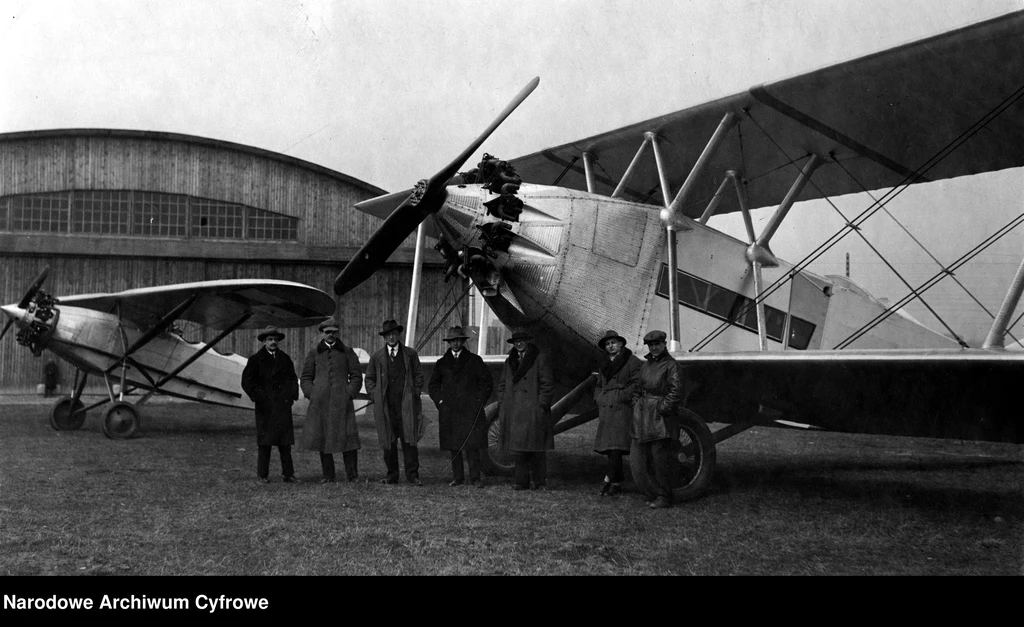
(884, 117)
(217, 304)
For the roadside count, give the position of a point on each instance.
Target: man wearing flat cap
(617, 380)
(524, 397)
(331, 378)
(459, 387)
(394, 379)
(269, 380)
(655, 426)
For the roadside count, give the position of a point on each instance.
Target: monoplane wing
(942, 107)
(216, 304)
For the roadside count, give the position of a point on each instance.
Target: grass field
(182, 499)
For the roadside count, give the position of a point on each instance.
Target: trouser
(614, 474)
(532, 463)
(656, 458)
(350, 459)
(263, 461)
(472, 459)
(410, 457)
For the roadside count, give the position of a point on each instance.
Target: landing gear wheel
(694, 453)
(121, 421)
(496, 462)
(64, 417)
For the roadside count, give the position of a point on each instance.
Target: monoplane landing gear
(495, 462)
(121, 421)
(67, 414)
(695, 453)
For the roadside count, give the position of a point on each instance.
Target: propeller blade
(442, 177)
(383, 206)
(10, 321)
(427, 198)
(27, 298)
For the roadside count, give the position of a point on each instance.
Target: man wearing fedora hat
(394, 379)
(524, 397)
(331, 378)
(269, 380)
(459, 387)
(655, 426)
(617, 378)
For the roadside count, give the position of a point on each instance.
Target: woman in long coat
(617, 380)
(269, 380)
(459, 388)
(525, 393)
(331, 377)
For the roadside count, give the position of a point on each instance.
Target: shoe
(605, 488)
(456, 482)
(415, 481)
(387, 481)
(614, 490)
(264, 480)
(660, 503)
(291, 479)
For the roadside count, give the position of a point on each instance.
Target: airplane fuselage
(577, 264)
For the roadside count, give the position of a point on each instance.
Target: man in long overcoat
(459, 387)
(331, 378)
(524, 395)
(655, 426)
(394, 379)
(617, 380)
(269, 380)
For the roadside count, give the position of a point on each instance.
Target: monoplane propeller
(27, 298)
(427, 198)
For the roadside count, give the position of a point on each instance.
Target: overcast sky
(390, 91)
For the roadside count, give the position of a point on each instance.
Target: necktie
(393, 352)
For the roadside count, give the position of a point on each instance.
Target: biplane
(612, 232)
(129, 339)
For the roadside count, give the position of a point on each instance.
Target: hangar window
(138, 213)
(47, 213)
(161, 215)
(267, 225)
(700, 295)
(101, 212)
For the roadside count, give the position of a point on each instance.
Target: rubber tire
(495, 462)
(62, 418)
(121, 421)
(692, 477)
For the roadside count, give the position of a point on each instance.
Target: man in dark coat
(617, 378)
(459, 387)
(524, 397)
(331, 378)
(269, 380)
(394, 379)
(655, 426)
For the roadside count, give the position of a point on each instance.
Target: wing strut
(185, 364)
(997, 333)
(588, 170)
(414, 291)
(672, 218)
(157, 328)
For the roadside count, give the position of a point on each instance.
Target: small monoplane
(129, 339)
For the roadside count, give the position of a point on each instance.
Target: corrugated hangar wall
(114, 256)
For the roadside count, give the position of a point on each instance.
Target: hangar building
(110, 210)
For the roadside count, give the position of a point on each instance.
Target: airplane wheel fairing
(495, 461)
(63, 418)
(695, 453)
(121, 421)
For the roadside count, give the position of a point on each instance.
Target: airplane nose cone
(13, 312)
